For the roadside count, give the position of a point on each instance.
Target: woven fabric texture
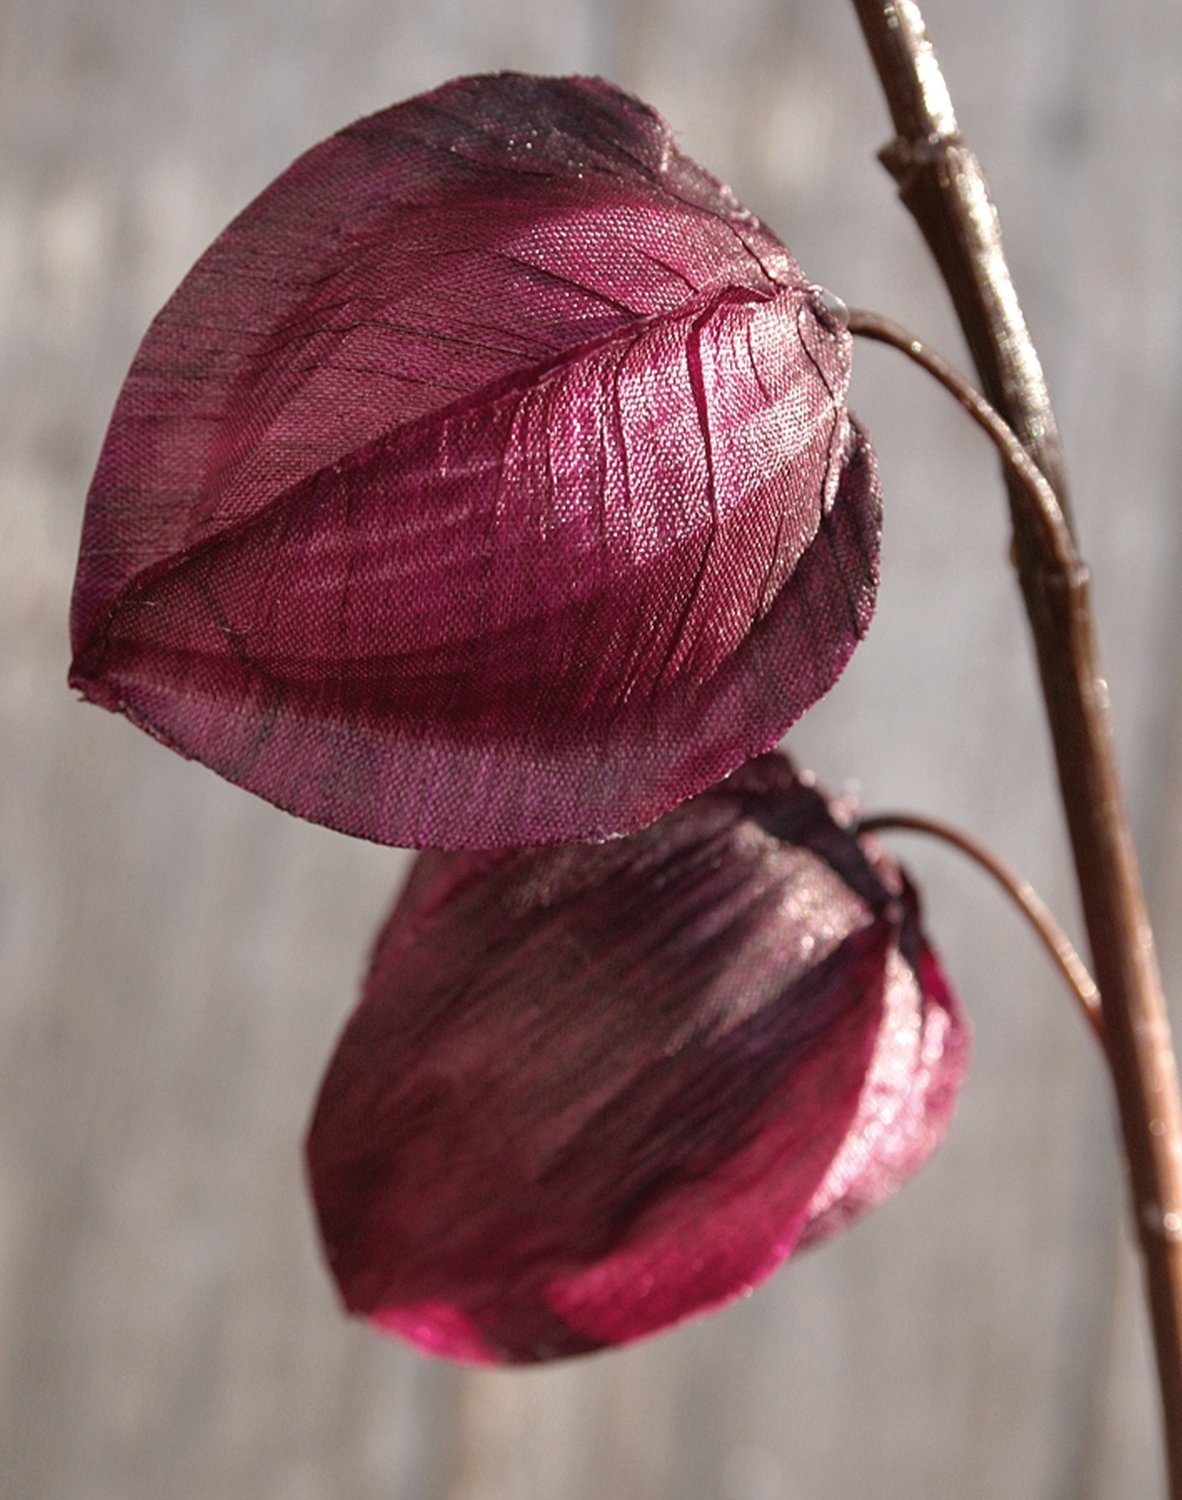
(488, 482)
(589, 1092)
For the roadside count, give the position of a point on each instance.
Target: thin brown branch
(943, 185)
(1043, 510)
(1023, 895)
(941, 182)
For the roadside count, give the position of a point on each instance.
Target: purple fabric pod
(592, 1091)
(489, 481)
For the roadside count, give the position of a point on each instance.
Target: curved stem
(1056, 942)
(941, 182)
(1042, 503)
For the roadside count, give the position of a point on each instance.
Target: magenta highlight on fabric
(488, 487)
(590, 1091)
(488, 482)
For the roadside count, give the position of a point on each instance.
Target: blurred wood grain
(177, 958)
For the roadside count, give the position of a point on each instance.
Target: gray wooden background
(175, 957)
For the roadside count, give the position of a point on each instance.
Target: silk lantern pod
(488, 482)
(591, 1091)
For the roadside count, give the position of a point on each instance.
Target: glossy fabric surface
(489, 481)
(591, 1091)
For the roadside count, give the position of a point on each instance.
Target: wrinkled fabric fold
(591, 1091)
(488, 482)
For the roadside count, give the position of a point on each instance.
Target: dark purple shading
(489, 481)
(590, 1091)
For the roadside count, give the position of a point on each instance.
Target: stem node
(946, 192)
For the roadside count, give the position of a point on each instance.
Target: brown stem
(1021, 893)
(941, 182)
(1043, 511)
